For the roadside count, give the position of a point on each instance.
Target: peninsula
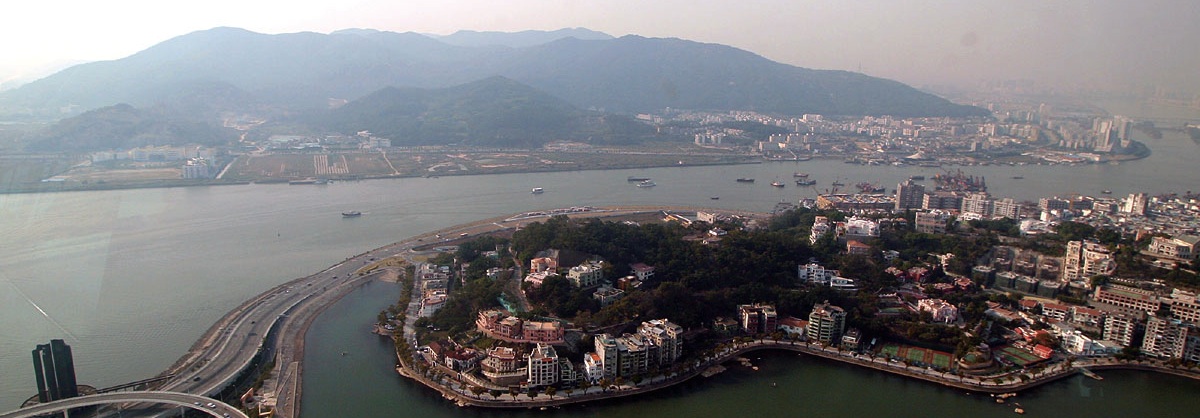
(263, 338)
(487, 332)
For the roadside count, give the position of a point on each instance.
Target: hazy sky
(1101, 42)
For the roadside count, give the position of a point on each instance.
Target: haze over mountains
(219, 71)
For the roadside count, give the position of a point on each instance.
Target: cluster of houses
(586, 274)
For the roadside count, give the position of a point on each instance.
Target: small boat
(777, 183)
(351, 214)
(805, 182)
(715, 197)
(917, 177)
(632, 178)
(745, 180)
(1106, 191)
(837, 184)
(647, 183)
(538, 190)
(1017, 177)
(800, 175)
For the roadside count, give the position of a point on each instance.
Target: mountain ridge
(629, 74)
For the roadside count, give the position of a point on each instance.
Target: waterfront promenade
(1009, 382)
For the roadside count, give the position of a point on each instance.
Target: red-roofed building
(854, 247)
(1087, 316)
(1043, 351)
(1056, 311)
(793, 326)
(1027, 304)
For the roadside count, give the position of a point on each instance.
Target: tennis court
(918, 355)
(1018, 356)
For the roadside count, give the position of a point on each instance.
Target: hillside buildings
(502, 326)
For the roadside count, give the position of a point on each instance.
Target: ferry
(745, 180)
(351, 214)
(538, 190)
(647, 183)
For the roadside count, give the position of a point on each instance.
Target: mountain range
(234, 70)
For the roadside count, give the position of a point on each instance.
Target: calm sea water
(131, 278)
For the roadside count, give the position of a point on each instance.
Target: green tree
(550, 391)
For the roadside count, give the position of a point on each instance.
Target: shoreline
(57, 187)
(289, 368)
(982, 384)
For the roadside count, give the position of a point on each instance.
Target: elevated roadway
(200, 403)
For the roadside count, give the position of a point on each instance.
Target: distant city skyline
(1107, 44)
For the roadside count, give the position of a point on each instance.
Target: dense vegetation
(124, 127)
(490, 112)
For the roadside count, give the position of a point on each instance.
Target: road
(196, 402)
(230, 345)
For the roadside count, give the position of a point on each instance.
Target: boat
(351, 214)
(745, 180)
(837, 184)
(632, 178)
(916, 177)
(867, 187)
(800, 175)
(647, 183)
(1017, 177)
(538, 190)
(805, 182)
(1106, 191)
(777, 183)
(715, 197)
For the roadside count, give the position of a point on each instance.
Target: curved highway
(230, 345)
(200, 403)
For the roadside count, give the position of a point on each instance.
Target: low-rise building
(502, 326)
(855, 247)
(607, 295)
(586, 275)
(941, 310)
(932, 222)
(1180, 248)
(758, 318)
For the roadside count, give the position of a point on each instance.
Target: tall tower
(909, 195)
(55, 370)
